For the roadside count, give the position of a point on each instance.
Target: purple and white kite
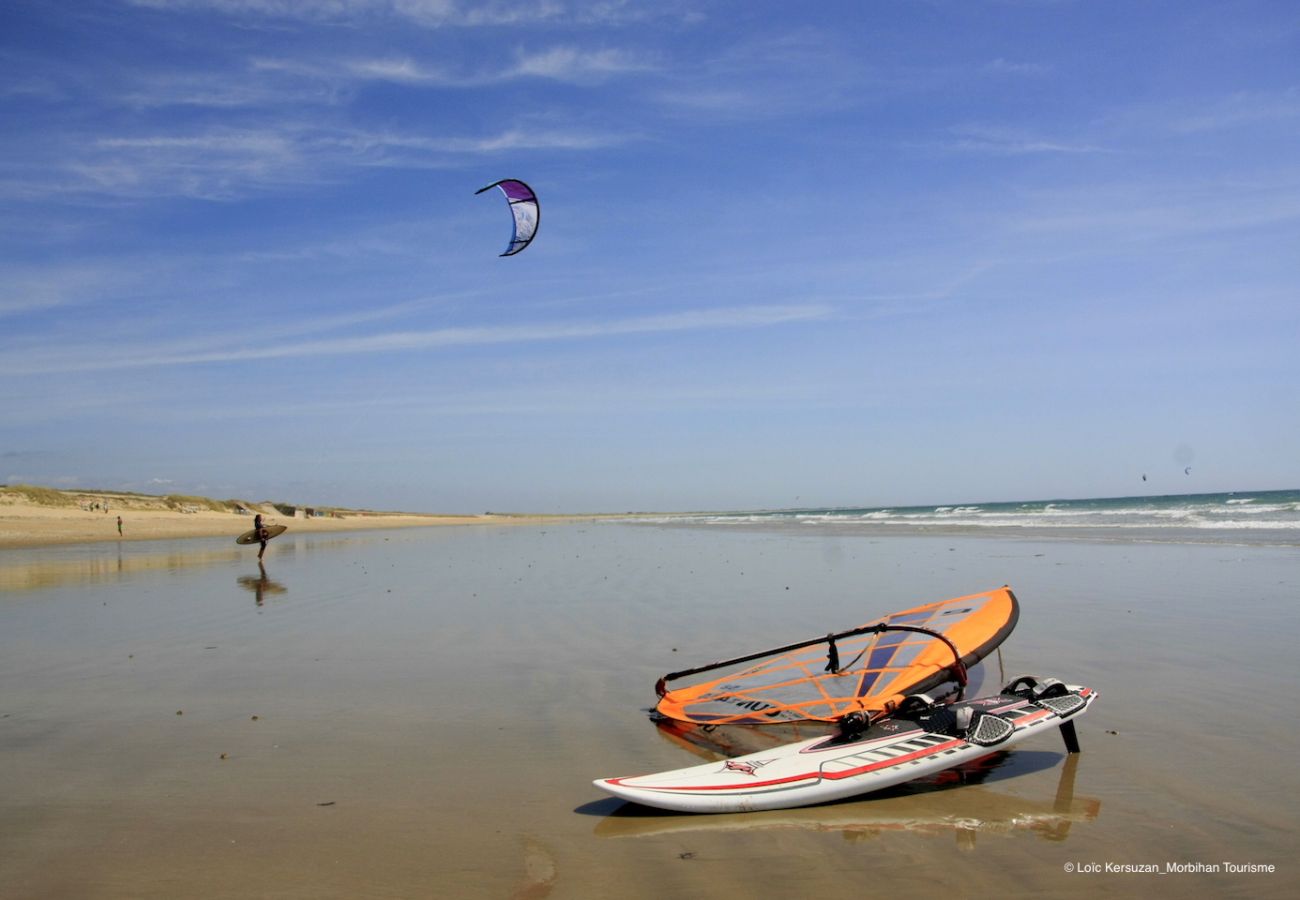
(523, 207)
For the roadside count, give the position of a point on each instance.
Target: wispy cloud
(1001, 141)
(231, 163)
(613, 395)
(573, 64)
(561, 63)
(35, 289)
(1002, 66)
(396, 149)
(798, 73)
(435, 13)
(217, 164)
(30, 87)
(1237, 110)
(1145, 211)
(539, 398)
(401, 70)
(427, 12)
(249, 87)
(75, 360)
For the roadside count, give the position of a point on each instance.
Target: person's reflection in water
(261, 584)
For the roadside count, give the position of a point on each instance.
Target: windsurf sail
(525, 211)
(868, 669)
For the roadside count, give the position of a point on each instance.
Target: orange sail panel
(874, 670)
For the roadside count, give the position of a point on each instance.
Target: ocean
(1232, 517)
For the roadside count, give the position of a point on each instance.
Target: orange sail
(867, 669)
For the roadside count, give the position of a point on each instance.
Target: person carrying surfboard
(262, 536)
(260, 533)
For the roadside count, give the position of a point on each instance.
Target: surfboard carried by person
(260, 534)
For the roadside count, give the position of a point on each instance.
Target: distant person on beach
(119, 525)
(261, 534)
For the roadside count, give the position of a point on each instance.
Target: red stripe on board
(870, 767)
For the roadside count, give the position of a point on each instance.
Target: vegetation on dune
(41, 496)
(46, 496)
(181, 501)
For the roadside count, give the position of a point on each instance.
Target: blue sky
(790, 254)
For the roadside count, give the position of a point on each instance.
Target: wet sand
(419, 712)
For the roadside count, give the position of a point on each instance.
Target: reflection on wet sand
(65, 567)
(38, 573)
(954, 801)
(260, 584)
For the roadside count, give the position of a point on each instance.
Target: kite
(524, 209)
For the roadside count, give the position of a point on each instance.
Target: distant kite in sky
(524, 209)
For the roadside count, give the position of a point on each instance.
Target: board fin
(1071, 736)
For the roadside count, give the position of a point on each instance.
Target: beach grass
(41, 496)
(33, 516)
(183, 501)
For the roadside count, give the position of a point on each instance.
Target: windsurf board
(912, 743)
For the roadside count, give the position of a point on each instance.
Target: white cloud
(427, 11)
(1002, 66)
(577, 65)
(558, 63)
(226, 91)
(432, 13)
(1143, 211)
(399, 70)
(44, 361)
(1001, 141)
(1237, 110)
(33, 88)
(228, 163)
(37, 289)
(799, 73)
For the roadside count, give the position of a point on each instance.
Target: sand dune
(36, 517)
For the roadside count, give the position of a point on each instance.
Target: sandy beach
(85, 517)
(420, 711)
